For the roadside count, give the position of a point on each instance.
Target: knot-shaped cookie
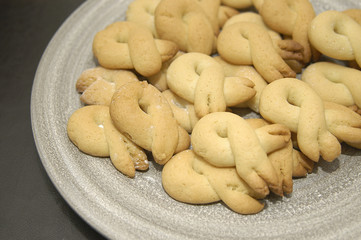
(226, 140)
(336, 35)
(98, 84)
(291, 18)
(344, 123)
(90, 128)
(141, 113)
(246, 43)
(185, 23)
(200, 79)
(190, 179)
(288, 49)
(295, 104)
(127, 45)
(335, 83)
(238, 4)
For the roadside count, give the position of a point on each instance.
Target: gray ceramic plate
(325, 205)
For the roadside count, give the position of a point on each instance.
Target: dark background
(30, 205)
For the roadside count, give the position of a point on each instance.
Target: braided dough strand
(226, 140)
(335, 83)
(336, 35)
(127, 45)
(188, 178)
(200, 79)
(140, 111)
(295, 104)
(90, 128)
(185, 23)
(246, 43)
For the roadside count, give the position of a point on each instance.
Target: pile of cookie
(171, 75)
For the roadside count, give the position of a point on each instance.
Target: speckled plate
(325, 205)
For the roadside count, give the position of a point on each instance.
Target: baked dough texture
(295, 104)
(200, 79)
(190, 179)
(246, 43)
(127, 45)
(185, 23)
(90, 128)
(336, 35)
(141, 113)
(226, 140)
(335, 83)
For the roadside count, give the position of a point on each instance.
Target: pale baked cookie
(142, 13)
(226, 140)
(246, 43)
(354, 13)
(231, 70)
(294, 103)
(290, 50)
(302, 165)
(127, 45)
(90, 128)
(142, 113)
(98, 84)
(185, 23)
(344, 123)
(200, 79)
(159, 80)
(336, 35)
(238, 4)
(335, 83)
(291, 18)
(188, 178)
(183, 110)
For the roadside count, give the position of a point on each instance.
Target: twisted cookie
(185, 23)
(246, 43)
(226, 140)
(98, 84)
(141, 113)
(91, 129)
(335, 83)
(336, 35)
(127, 45)
(295, 104)
(190, 179)
(199, 79)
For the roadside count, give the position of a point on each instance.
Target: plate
(325, 205)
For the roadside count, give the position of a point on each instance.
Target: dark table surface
(30, 205)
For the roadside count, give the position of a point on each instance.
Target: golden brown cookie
(200, 79)
(294, 103)
(127, 45)
(185, 23)
(141, 112)
(246, 43)
(336, 35)
(226, 140)
(90, 128)
(335, 83)
(188, 178)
